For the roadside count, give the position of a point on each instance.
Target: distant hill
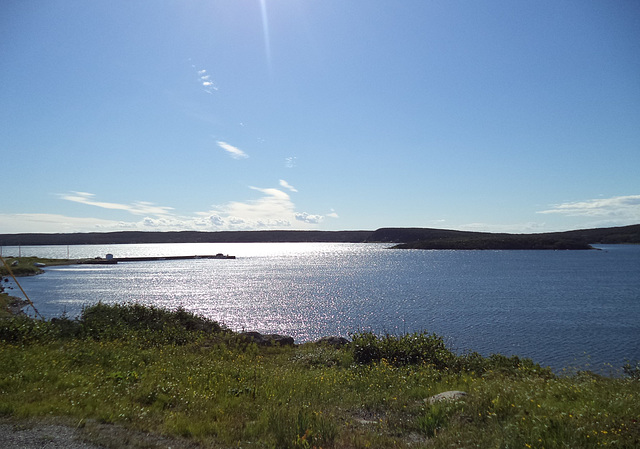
(126, 237)
(424, 238)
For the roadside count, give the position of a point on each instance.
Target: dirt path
(42, 436)
(56, 434)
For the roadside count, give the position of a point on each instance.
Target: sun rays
(265, 32)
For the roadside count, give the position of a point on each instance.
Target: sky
(215, 115)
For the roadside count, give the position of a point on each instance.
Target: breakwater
(114, 260)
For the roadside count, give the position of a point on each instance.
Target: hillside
(423, 238)
(128, 237)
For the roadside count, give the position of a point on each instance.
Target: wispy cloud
(204, 79)
(137, 208)
(272, 209)
(234, 152)
(528, 228)
(308, 218)
(287, 186)
(618, 208)
(333, 214)
(50, 223)
(290, 162)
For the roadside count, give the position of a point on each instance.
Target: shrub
(22, 329)
(409, 349)
(107, 322)
(112, 322)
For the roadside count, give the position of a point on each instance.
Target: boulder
(447, 396)
(268, 339)
(281, 340)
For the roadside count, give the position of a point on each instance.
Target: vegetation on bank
(178, 374)
(498, 242)
(26, 266)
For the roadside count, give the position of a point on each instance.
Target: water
(565, 309)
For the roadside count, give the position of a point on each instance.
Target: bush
(430, 349)
(111, 322)
(22, 329)
(107, 322)
(409, 349)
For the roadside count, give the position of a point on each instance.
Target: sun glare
(265, 31)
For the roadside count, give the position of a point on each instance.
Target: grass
(176, 374)
(25, 265)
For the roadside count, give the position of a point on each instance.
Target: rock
(366, 422)
(16, 305)
(447, 396)
(255, 337)
(268, 339)
(282, 340)
(337, 342)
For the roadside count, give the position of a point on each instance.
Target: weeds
(632, 369)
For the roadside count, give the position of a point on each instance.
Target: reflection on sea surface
(562, 308)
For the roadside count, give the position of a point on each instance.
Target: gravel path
(43, 434)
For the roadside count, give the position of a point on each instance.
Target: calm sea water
(566, 309)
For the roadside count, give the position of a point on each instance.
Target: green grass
(25, 265)
(173, 373)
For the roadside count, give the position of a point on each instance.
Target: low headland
(132, 376)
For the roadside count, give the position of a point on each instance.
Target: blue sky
(517, 116)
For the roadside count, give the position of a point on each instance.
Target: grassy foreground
(176, 374)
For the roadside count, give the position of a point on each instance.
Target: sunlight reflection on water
(553, 306)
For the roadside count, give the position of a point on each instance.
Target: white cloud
(333, 214)
(308, 218)
(290, 162)
(213, 220)
(205, 80)
(56, 223)
(288, 186)
(234, 152)
(49, 223)
(520, 228)
(618, 208)
(272, 209)
(137, 208)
